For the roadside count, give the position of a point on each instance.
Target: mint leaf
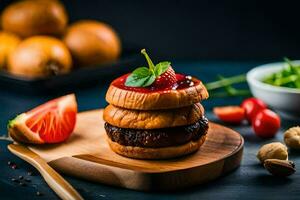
(143, 76)
(135, 81)
(149, 81)
(161, 68)
(140, 77)
(141, 72)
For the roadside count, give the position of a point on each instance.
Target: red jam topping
(183, 82)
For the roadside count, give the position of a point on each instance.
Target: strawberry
(165, 80)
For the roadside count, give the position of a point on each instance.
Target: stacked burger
(154, 113)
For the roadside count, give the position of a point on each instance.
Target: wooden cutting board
(87, 155)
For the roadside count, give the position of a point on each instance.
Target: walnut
(292, 137)
(274, 150)
(280, 167)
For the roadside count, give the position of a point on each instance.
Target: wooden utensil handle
(62, 188)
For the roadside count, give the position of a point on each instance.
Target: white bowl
(284, 100)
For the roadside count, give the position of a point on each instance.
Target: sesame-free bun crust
(153, 119)
(156, 153)
(156, 100)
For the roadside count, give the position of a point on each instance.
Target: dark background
(203, 29)
(243, 32)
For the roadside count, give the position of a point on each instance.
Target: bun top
(154, 88)
(156, 100)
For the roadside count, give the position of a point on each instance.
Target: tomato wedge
(52, 122)
(230, 114)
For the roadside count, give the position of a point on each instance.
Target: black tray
(78, 77)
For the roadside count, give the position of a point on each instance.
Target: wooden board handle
(62, 188)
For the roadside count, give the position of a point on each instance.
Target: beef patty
(156, 138)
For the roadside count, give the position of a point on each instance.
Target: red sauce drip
(183, 82)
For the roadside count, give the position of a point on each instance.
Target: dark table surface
(249, 181)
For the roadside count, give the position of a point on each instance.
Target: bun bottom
(156, 153)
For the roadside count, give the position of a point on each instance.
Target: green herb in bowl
(287, 77)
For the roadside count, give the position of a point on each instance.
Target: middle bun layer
(154, 119)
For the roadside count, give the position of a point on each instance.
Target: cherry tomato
(266, 123)
(230, 114)
(252, 106)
